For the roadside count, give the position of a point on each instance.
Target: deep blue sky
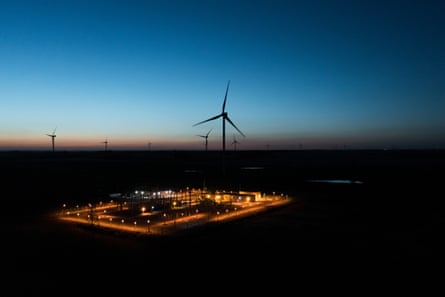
(303, 74)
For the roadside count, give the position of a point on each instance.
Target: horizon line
(217, 151)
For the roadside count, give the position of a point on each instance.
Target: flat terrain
(389, 216)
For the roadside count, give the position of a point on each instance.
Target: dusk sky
(303, 74)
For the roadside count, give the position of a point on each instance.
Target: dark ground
(391, 222)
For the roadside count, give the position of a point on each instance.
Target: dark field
(393, 220)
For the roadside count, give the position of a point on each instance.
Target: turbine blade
(228, 119)
(211, 119)
(208, 132)
(225, 97)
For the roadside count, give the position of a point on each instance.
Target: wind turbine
(235, 142)
(205, 136)
(225, 117)
(53, 135)
(106, 144)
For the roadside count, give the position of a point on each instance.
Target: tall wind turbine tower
(53, 135)
(225, 117)
(206, 138)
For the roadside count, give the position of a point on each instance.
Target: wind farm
(280, 203)
(223, 115)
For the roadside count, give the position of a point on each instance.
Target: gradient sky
(303, 74)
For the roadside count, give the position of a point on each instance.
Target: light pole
(190, 200)
(148, 226)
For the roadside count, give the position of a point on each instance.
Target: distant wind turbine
(225, 117)
(53, 135)
(205, 136)
(106, 144)
(235, 142)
